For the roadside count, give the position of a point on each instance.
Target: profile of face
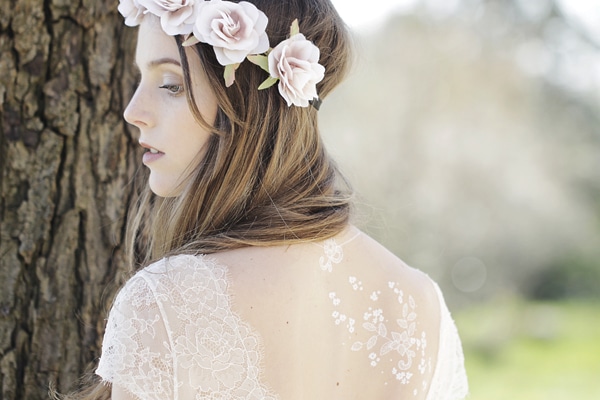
(172, 137)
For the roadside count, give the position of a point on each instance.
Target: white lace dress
(174, 333)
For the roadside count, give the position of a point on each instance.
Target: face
(172, 137)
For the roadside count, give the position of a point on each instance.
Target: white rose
(235, 30)
(132, 11)
(295, 62)
(177, 17)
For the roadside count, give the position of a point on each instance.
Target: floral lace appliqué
(172, 334)
(333, 255)
(395, 339)
(399, 336)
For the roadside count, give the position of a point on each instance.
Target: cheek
(193, 145)
(208, 108)
(205, 98)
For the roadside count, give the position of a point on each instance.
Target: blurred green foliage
(521, 350)
(569, 277)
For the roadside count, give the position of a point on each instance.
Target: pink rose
(235, 30)
(177, 17)
(132, 11)
(295, 62)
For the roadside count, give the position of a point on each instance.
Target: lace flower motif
(401, 339)
(205, 350)
(172, 330)
(333, 255)
(381, 338)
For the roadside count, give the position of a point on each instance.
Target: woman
(253, 284)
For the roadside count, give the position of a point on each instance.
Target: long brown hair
(265, 177)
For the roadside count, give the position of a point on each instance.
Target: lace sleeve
(171, 334)
(136, 354)
(450, 378)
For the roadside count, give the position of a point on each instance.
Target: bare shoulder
(368, 257)
(351, 253)
(395, 314)
(348, 297)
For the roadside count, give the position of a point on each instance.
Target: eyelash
(178, 89)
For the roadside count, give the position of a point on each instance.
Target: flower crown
(236, 31)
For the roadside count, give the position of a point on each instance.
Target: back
(341, 319)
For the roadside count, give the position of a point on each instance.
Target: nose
(137, 112)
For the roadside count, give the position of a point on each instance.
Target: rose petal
(295, 62)
(132, 11)
(235, 30)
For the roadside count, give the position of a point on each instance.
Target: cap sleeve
(450, 378)
(171, 334)
(136, 354)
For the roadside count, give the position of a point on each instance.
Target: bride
(251, 281)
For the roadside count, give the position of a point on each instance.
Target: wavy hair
(265, 177)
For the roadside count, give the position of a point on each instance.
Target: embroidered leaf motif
(386, 348)
(372, 342)
(356, 346)
(411, 329)
(402, 323)
(369, 326)
(382, 330)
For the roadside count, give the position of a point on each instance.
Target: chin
(161, 193)
(163, 189)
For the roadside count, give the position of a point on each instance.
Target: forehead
(153, 44)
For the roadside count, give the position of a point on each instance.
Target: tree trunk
(65, 165)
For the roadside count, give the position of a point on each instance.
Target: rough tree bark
(65, 166)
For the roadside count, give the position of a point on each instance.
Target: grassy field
(520, 350)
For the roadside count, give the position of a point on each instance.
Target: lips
(151, 154)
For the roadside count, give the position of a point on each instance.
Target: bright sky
(586, 12)
(361, 13)
(365, 13)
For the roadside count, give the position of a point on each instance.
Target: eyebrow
(161, 61)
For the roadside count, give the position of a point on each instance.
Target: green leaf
(260, 60)
(270, 81)
(190, 41)
(229, 74)
(294, 29)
